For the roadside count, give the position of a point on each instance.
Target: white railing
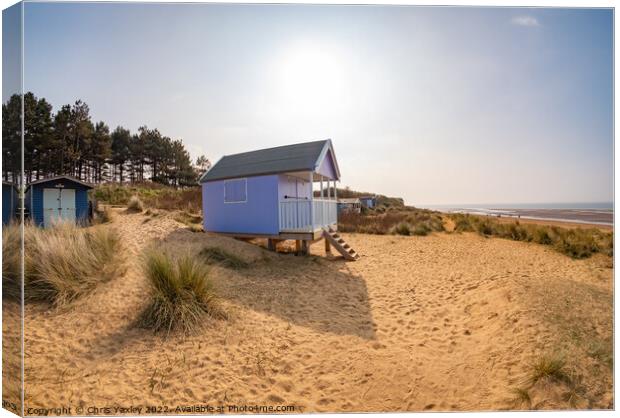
(307, 215)
(325, 212)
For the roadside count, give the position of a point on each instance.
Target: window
(235, 191)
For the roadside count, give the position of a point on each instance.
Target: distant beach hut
(60, 198)
(368, 201)
(9, 202)
(269, 193)
(349, 205)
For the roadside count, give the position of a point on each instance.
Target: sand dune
(445, 322)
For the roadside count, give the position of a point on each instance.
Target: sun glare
(311, 76)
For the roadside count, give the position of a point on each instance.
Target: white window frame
(245, 182)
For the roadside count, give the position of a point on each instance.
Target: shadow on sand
(310, 291)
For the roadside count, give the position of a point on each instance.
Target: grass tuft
(216, 255)
(11, 262)
(402, 228)
(577, 243)
(106, 216)
(602, 351)
(135, 204)
(195, 228)
(522, 398)
(188, 218)
(182, 297)
(62, 263)
(549, 368)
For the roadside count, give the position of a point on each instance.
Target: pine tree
(69, 143)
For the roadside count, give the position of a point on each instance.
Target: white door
(67, 205)
(58, 205)
(51, 206)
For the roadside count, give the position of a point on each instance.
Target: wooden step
(340, 244)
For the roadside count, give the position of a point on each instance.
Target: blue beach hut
(368, 201)
(269, 193)
(9, 202)
(60, 198)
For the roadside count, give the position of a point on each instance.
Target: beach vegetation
(602, 352)
(195, 228)
(462, 222)
(188, 218)
(153, 195)
(182, 297)
(577, 243)
(11, 261)
(398, 222)
(522, 398)
(105, 216)
(402, 228)
(549, 368)
(61, 263)
(222, 257)
(135, 204)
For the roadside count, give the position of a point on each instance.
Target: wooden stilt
(271, 244)
(305, 247)
(297, 247)
(328, 247)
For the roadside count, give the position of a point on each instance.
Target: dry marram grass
(135, 204)
(61, 263)
(182, 297)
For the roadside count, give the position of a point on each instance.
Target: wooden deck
(302, 236)
(303, 240)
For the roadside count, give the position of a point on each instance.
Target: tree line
(69, 143)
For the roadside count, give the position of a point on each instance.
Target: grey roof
(288, 158)
(55, 178)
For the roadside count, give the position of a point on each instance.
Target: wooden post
(297, 247)
(328, 247)
(305, 248)
(271, 244)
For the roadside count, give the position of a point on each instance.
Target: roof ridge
(302, 156)
(276, 147)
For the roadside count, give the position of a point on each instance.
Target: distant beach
(599, 213)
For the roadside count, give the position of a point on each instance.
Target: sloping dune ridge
(444, 322)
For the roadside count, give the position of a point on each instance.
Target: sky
(438, 105)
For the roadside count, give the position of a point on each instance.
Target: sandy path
(445, 322)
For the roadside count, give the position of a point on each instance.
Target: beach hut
(268, 193)
(9, 202)
(368, 201)
(59, 198)
(349, 205)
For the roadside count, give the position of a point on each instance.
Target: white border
(459, 3)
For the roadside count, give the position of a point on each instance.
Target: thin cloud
(525, 21)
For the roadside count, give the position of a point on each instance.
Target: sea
(595, 213)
